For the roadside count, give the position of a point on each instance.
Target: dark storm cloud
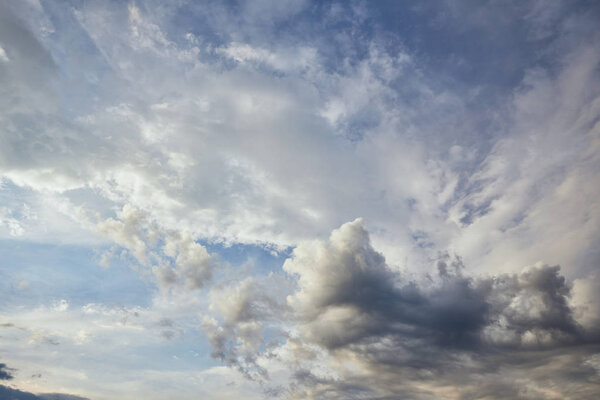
(14, 394)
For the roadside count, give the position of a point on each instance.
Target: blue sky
(300, 199)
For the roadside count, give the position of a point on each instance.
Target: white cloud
(3, 56)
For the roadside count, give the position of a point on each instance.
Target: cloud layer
(300, 199)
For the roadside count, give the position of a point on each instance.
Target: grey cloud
(193, 263)
(60, 396)
(455, 330)
(175, 258)
(169, 328)
(9, 393)
(15, 394)
(166, 323)
(5, 372)
(534, 305)
(503, 336)
(244, 301)
(347, 293)
(245, 310)
(224, 346)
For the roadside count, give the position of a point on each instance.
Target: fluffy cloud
(174, 257)
(347, 294)
(381, 334)
(246, 310)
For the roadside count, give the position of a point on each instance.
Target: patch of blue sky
(34, 274)
(261, 260)
(456, 39)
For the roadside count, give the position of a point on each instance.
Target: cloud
(60, 396)
(15, 394)
(247, 311)
(172, 134)
(193, 261)
(298, 60)
(367, 331)
(5, 373)
(173, 256)
(347, 294)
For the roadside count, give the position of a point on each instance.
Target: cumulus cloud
(192, 260)
(380, 333)
(176, 259)
(245, 310)
(347, 293)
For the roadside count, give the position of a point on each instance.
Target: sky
(294, 199)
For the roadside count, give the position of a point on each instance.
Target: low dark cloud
(472, 334)
(503, 336)
(348, 295)
(14, 394)
(8, 393)
(5, 372)
(463, 332)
